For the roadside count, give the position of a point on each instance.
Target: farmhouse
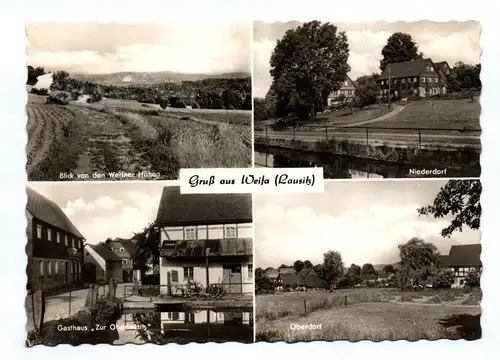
(206, 238)
(461, 260)
(271, 273)
(54, 246)
(125, 250)
(101, 264)
(306, 278)
(418, 77)
(347, 90)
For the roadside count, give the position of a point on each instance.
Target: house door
(231, 277)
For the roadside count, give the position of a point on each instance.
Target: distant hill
(149, 78)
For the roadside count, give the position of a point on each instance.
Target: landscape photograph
(368, 100)
(379, 260)
(119, 101)
(137, 262)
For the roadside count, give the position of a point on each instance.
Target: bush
(444, 278)
(59, 98)
(42, 91)
(473, 278)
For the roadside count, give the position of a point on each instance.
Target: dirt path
(396, 110)
(107, 145)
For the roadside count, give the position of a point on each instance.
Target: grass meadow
(370, 314)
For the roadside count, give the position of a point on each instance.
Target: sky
(100, 48)
(102, 210)
(441, 41)
(364, 220)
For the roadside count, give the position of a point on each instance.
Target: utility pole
(389, 97)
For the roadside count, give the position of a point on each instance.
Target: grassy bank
(81, 328)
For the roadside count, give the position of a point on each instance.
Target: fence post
(266, 133)
(326, 133)
(419, 138)
(293, 131)
(305, 306)
(367, 142)
(345, 300)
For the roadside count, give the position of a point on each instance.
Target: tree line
(310, 62)
(213, 93)
(419, 261)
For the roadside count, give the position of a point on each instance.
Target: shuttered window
(174, 276)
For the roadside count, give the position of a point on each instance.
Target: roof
(48, 211)
(178, 209)
(271, 272)
(350, 83)
(287, 271)
(405, 69)
(105, 252)
(198, 248)
(291, 279)
(463, 255)
(306, 277)
(441, 64)
(128, 244)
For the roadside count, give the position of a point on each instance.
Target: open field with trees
(81, 139)
(421, 296)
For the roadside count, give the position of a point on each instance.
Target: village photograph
(119, 262)
(378, 260)
(117, 101)
(368, 100)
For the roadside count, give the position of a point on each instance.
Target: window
(427, 69)
(56, 267)
(429, 80)
(72, 242)
(77, 243)
(173, 316)
(250, 271)
(190, 233)
(432, 69)
(40, 267)
(66, 240)
(435, 80)
(189, 318)
(58, 237)
(230, 231)
(403, 81)
(174, 276)
(49, 234)
(423, 79)
(345, 83)
(124, 261)
(122, 249)
(414, 79)
(39, 231)
(382, 82)
(49, 268)
(188, 273)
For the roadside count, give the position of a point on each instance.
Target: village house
(346, 90)
(206, 238)
(102, 264)
(421, 78)
(271, 273)
(461, 260)
(125, 250)
(54, 246)
(307, 278)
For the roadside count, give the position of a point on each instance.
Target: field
(370, 314)
(438, 114)
(87, 139)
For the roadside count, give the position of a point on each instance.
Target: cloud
(449, 42)
(111, 217)
(109, 48)
(368, 234)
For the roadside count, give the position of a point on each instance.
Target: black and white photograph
(368, 100)
(137, 262)
(118, 101)
(370, 260)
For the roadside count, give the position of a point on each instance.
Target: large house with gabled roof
(54, 247)
(206, 238)
(346, 90)
(421, 78)
(461, 260)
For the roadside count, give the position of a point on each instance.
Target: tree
(298, 265)
(308, 264)
(232, 99)
(33, 74)
(367, 90)
(389, 269)
(148, 247)
(465, 76)
(418, 260)
(459, 198)
(368, 271)
(473, 278)
(354, 270)
(400, 47)
(443, 278)
(333, 267)
(307, 64)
